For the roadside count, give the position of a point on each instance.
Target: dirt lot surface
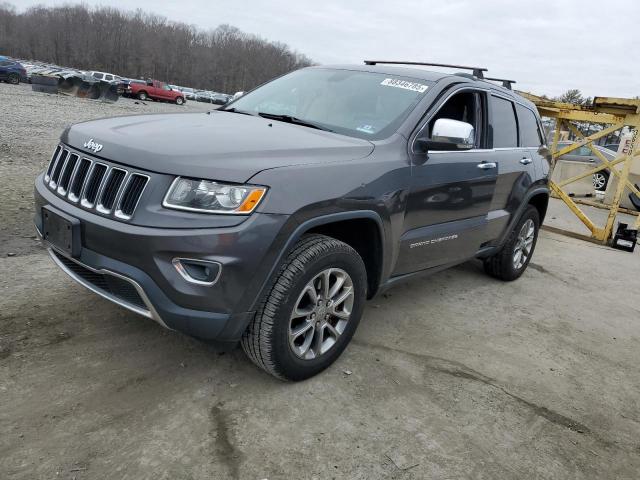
(452, 376)
(30, 126)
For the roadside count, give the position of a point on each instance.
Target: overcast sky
(547, 46)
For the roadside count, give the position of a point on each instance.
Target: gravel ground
(451, 376)
(30, 126)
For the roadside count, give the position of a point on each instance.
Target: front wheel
(600, 180)
(514, 257)
(179, 101)
(142, 96)
(14, 79)
(311, 311)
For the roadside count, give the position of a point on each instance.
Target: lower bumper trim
(147, 311)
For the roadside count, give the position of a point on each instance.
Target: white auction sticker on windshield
(415, 87)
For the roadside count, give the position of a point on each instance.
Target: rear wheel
(142, 95)
(514, 257)
(311, 311)
(14, 79)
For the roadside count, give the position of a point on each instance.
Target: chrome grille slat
(52, 163)
(58, 167)
(107, 189)
(95, 181)
(113, 183)
(79, 178)
(67, 172)
(131, 194)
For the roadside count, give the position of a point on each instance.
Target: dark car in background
(189, 93)
(12, 72)
(213, 97)
(203, 96)
(221, 98)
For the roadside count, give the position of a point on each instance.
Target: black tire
(502, 265)
(600, 180)
(142, 96)
(266, 340)
(14, 79)
(179, 101)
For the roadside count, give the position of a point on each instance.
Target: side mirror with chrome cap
(449, 134)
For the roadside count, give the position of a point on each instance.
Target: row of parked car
(15, 71)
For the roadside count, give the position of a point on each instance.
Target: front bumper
(142, 257)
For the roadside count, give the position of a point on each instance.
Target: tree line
(143, 45)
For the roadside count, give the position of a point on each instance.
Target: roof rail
(505, 83)
(477, 71)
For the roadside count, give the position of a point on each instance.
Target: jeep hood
(218, 145)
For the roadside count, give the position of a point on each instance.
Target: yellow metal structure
(614, 114)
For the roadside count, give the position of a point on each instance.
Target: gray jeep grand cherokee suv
(272, 220)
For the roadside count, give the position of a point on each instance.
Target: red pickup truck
(155, 90)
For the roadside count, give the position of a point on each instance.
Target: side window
(584, 151)
(529, 133)
(467, 107)
(97, 75)
(108, 77)
(503, 121)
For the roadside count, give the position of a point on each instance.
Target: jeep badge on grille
(91, 145)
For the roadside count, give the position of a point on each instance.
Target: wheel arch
(365, 235)
(538, 198)
(342, 226)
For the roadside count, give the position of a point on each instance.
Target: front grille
(108, 285)
(109, 190)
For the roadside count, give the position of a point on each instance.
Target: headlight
(212, 197)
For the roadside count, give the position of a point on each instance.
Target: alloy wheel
(599, 180)
(524, 242)
(321, 313)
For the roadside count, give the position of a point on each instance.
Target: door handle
(487, 165)
(526, 161)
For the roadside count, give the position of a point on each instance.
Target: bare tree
(141, 45)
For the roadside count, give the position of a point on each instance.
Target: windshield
(360, 104)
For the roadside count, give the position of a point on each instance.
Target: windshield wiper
(233, 110)
(294, 120)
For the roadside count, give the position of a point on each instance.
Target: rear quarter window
(529, 132)
(503, 121)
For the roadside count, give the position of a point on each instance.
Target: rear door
(517, 169)
(531, 138)
(451, 190)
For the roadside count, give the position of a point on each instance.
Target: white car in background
(107, 77)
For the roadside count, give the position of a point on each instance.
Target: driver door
(451, 189)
